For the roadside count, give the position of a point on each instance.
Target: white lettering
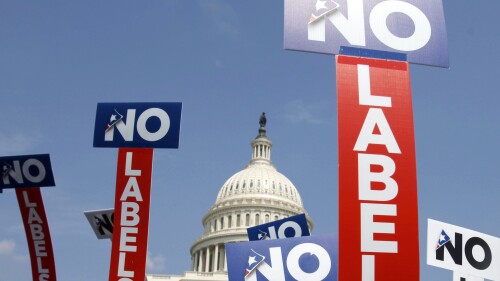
(292, 262)
(121, 267)
(126, 129)
(15, 173)
(128, 166)
(370, 227)
(124, 238)
(27, 172)
(352, 27)
(164, 124)
(289, 224)
(376, 117)
(27, 202)
(417, 40)
(366, 177)
(33, 216)
(364, 85)
(131, 190)
(368, 268)
(40, 250)
(130, 210)
(40, 266)
(276, 272)
(37, 232)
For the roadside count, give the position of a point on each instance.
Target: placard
(131, 220)
(378, 209)
(464, 251)
(37, 233)
(414, 27)
(301, 258)
(294, 226)
(147, 125)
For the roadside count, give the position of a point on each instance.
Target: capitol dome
(255, 195)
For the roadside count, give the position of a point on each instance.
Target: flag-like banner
(294, 226)
(378, 209)
(131, 220)
(37, 233)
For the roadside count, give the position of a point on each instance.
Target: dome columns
(210, 259)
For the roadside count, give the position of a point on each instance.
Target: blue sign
(295, 226)
(26, 171)
(303, 258)
(414, 27)
(146, 125)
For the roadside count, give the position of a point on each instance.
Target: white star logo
(442, 238)
(320, 5)
(251, 260)
(113, 118)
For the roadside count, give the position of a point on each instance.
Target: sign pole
(135, 129)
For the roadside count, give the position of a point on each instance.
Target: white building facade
(255, 195)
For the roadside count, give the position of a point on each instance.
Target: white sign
(101, 222)
(464, 251)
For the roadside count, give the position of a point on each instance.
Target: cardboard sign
(148, 125)
(131, 221)
(26, 171)
(414, 27)
(378, 210)
(101, 222)
(37, 233)
(295, 226)
(464, 251)
(303, 258)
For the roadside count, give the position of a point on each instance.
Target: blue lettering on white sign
(146, 125)
(311, 258)
(414, 27)
(295, 226)
(26, 171)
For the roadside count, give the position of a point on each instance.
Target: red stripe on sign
(131, 220)
(37, 233)
(378, 209)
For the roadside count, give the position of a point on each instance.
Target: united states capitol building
(255, 195)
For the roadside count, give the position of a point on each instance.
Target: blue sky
(224, 60)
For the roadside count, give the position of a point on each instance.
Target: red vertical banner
(131, 220)
(378, 204)
(37, 233)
